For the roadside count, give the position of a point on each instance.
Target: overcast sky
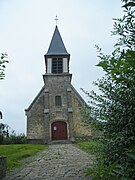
(26, 29)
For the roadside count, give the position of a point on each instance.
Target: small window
(58, 101)
(57, 66)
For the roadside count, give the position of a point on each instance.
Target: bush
(15, 139)
(116, 103)
(8, 136)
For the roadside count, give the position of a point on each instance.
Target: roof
(57, 46)
(41, 93)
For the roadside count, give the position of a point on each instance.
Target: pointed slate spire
(57, 46)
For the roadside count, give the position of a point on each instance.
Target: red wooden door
(59, 130)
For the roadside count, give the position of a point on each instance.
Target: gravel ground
(61, 161)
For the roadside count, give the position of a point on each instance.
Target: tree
(116, 104)
(3, 60)
(3, 127)
(0, 115)
(4, 132)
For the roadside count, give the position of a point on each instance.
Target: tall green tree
(116, 103)
(3, 61)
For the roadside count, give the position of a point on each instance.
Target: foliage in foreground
(116, 104)
(15, 153)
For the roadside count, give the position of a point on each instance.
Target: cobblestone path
(63, 161)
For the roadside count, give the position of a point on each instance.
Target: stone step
(60, 142)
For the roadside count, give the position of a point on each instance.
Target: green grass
(92, 146)
(16, 152)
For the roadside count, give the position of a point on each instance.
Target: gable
(78, 96)
(36, 99)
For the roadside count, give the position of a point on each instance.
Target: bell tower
(57, 58)
(57, 94)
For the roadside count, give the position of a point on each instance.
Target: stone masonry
(41, 116)
(47, 121)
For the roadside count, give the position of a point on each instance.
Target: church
(58, 112)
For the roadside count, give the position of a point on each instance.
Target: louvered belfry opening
(57, 66)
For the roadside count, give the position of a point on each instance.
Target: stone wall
(56, 85)
(35, 119)
(81, 128)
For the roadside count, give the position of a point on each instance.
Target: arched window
(58, 101)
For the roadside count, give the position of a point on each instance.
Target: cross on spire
(56, 19)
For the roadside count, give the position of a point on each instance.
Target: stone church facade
(58, 111)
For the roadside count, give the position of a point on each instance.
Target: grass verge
(92, 146)
(16, 152)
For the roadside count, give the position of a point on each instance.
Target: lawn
(16, 152)
(92, 146)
